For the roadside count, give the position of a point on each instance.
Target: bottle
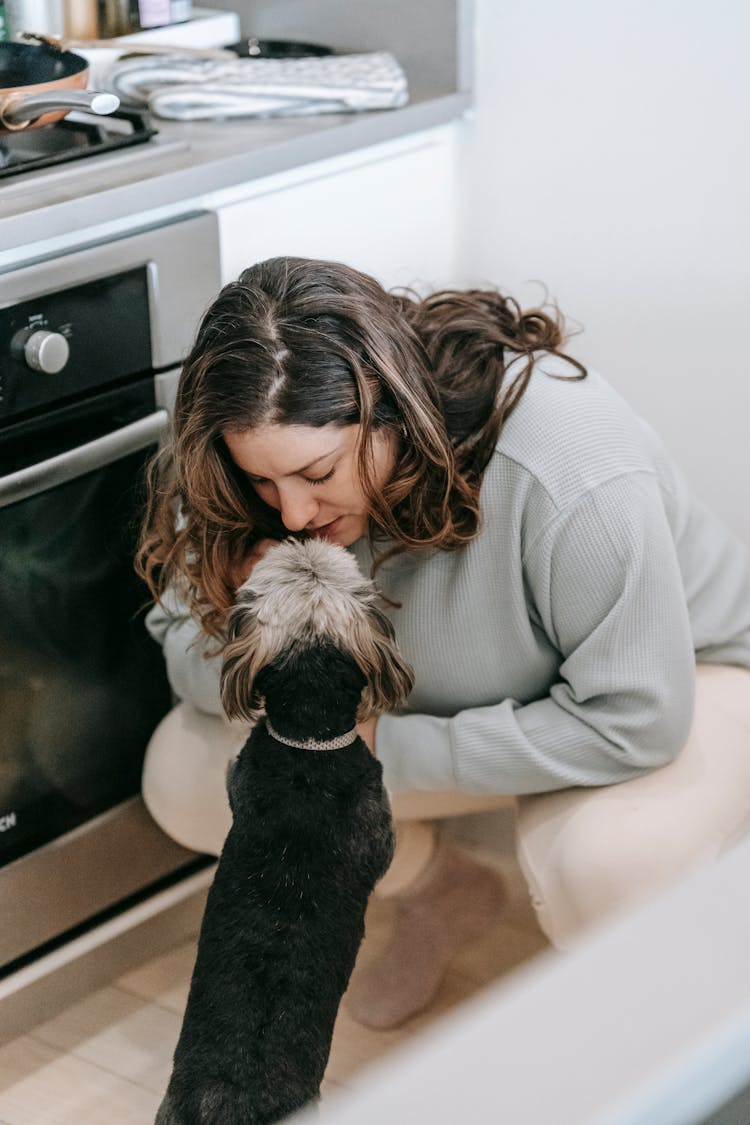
(3, 24)
(154, 13)
(180, 11)
(115, 19)
(81, 19)
(44, 17)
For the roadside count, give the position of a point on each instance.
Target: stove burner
(74, 137)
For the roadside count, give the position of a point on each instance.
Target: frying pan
(39, 84)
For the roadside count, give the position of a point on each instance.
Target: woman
(579, 625)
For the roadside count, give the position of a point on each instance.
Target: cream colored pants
(586, 853)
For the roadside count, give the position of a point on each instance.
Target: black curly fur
(311, 835)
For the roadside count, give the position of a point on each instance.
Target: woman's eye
(320, 480)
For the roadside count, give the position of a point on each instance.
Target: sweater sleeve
(192, 659)
(603, 581)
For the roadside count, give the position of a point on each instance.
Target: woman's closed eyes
(321, 480)
(309, 480)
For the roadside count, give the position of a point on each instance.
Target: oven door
(82, 685)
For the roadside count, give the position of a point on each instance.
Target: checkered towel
(187, 89)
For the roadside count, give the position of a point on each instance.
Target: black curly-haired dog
(311, 835)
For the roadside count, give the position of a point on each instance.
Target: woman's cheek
(267, 494)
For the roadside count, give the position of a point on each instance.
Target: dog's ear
(389, 677)
(244, 656)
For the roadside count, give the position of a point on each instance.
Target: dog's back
(312, 833)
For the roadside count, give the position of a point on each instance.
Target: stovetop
(77, 136)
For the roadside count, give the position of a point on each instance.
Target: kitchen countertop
(189, 160)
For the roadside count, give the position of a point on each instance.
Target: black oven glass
(82, 685)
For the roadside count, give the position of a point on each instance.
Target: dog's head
(304, 594)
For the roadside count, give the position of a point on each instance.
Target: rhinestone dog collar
(337, 743)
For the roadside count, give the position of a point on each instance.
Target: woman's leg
(589, 853)
(184, 788)
(184, 776)
(442, 900)
(415, 814)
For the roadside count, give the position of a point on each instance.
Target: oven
(90, 347)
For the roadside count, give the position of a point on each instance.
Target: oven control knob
(46, 351)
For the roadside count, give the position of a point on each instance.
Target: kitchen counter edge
(207, 164)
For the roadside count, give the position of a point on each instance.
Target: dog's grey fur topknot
(311, 590)
(305, 593)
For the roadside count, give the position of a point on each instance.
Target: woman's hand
(366, 732)
(244, 569)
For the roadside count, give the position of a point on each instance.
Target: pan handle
(21, 109)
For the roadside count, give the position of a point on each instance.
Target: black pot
(252, 48)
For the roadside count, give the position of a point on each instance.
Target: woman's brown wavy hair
(305, 342)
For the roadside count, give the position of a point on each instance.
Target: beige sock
(416, 841)
(449, 904)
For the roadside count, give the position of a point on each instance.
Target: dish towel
(186, 89)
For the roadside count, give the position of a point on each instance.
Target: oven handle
(64, 467)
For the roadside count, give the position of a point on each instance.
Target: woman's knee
(605, 862)
(596, 862)
(184, 777)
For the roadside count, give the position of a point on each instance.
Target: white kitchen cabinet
(389, 210)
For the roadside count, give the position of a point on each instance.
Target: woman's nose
(297, 508)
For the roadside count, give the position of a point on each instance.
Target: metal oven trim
(140, 852)
(46, 475)
(182, 261)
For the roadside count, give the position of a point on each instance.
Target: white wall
(609, 157)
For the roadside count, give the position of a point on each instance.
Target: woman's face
(309, 474)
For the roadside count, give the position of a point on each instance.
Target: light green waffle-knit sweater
(558, 648)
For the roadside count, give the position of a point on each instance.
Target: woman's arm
(605, 581)
(193, 659)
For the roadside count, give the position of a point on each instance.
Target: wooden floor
(106, 1060)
